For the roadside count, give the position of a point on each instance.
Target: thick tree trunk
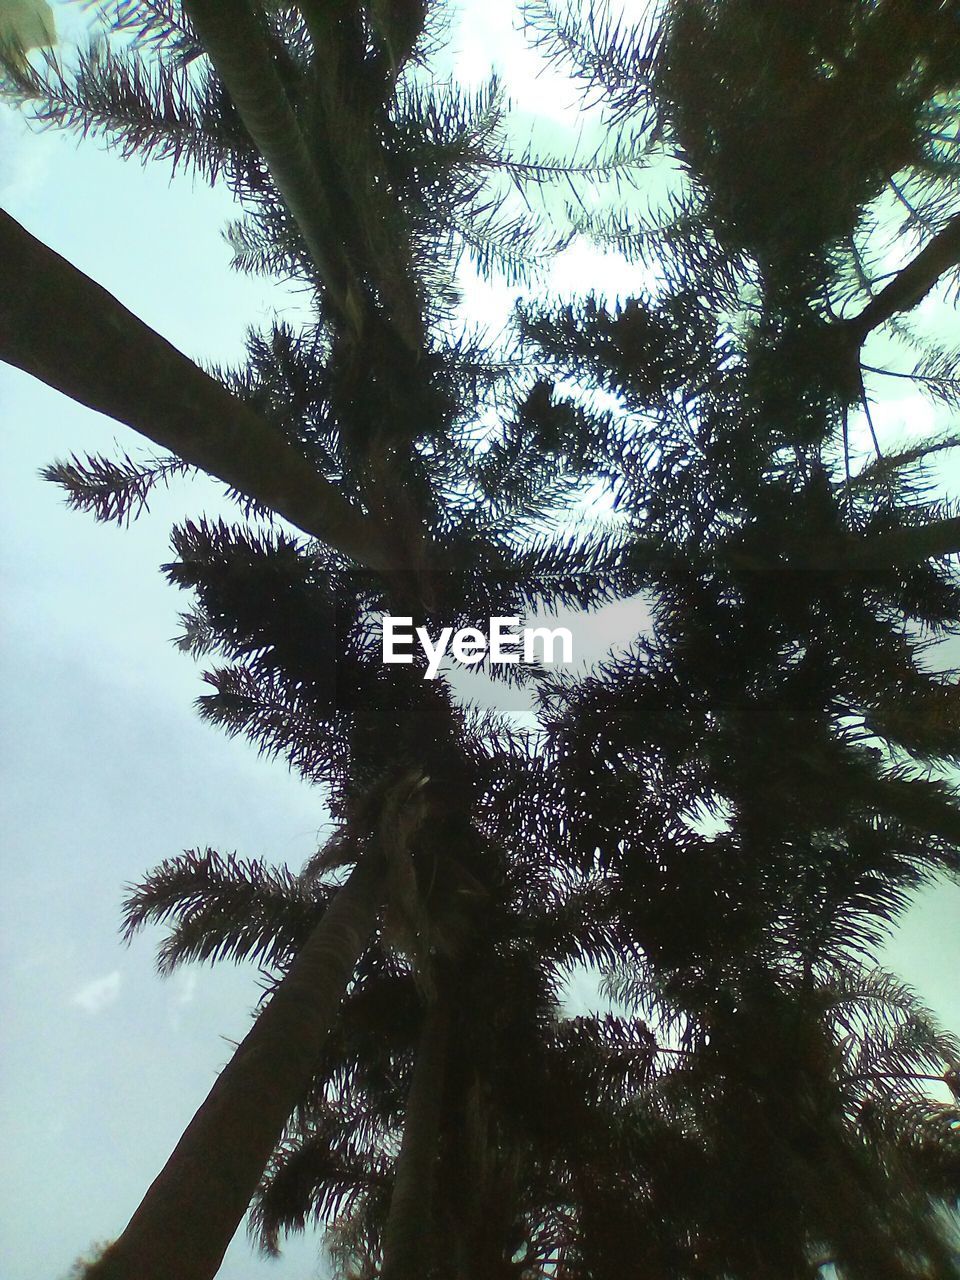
(406, 1235)
(191, 1212)
(60, 326)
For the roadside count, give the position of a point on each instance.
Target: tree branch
(60, 326)
(933, 540)
(911, 285)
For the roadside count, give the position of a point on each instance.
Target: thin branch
(910, 285)
(917, 217)
(846, 458)
(896, 1075)
(869, 416)
(911, 377)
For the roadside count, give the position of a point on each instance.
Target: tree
(517, 1106)
(751, 784)
(853, 1046)
(333, 153)
(751, 774)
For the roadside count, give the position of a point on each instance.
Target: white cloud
(183, 993)
(188, 986)
(98, 994)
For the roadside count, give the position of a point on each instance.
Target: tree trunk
(60, 326)
(406, 1235)
(191, 1212)
(234, 41)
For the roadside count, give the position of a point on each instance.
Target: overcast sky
(105, 768)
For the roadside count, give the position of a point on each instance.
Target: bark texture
(191, 1212)
(60, 326)
(406, 1236)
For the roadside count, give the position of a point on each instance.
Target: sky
(105, 769)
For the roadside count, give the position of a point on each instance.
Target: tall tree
(751, 773)
(359, 182)
(761, 783)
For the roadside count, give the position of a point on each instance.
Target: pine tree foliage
(335, 1161)
(444, 172)
(879, 1045)
(147, 109)
(750, 775)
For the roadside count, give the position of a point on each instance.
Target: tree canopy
(729, 818)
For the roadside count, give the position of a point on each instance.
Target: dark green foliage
(790, 121)
(226, 907)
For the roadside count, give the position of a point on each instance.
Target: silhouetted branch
(60, 326)
(911, 285)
